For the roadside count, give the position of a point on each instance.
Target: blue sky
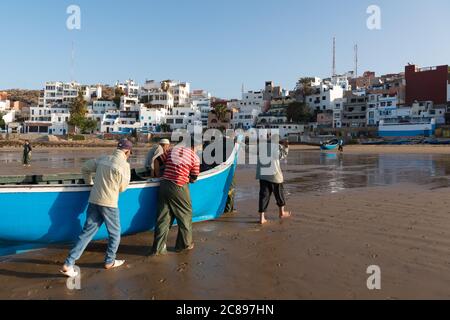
(215, 45)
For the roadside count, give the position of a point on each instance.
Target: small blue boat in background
(48, 214)
(330, 145)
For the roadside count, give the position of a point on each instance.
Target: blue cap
(125, 144)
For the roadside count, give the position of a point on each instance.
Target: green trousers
(229, 207)
(173, 202)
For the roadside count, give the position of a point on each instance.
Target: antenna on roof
(72, 62)
(356, 60)
(334, 57)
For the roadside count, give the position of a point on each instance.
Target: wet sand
(349, 213)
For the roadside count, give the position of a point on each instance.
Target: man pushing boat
(182, 166)
(112, 176)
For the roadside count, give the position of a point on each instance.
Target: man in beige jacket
(112, 176)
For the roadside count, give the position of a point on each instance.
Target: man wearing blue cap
(112, 176)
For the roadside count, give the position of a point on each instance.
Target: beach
(373, 205)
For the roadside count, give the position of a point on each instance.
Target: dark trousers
(174, 203)
(266, 189)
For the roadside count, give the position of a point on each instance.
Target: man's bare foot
(285, 214)
(262, 219)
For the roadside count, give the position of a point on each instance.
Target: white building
(165, 94)
(201, 100)
(102, 106)
(152, 118)
(285, 129)
(91, 93)
(110, 122)
(9, 116)
(129, 87)
(251, 105)
(4, 105)
(64, 93)
(338, 107)
(380, 107)
(448, 91)
(183, 116)
(324, 95)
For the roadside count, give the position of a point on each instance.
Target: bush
(77, 137)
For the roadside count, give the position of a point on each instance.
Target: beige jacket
(111, 176)
(268, 167)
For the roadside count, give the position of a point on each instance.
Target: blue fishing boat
(56, 213)
(330, 145)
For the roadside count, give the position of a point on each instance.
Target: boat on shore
(330, 145)
(56, 212)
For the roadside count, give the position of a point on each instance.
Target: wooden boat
(330, 145)
(55, 213)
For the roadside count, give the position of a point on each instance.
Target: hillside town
(415, 102)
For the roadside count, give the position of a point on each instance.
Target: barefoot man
(271, 177)
(112, 176)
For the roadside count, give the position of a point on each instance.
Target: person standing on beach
(112, 176)
(341, 145)
(26, 157)
(153, 161)
(271, 178)
(182, 166)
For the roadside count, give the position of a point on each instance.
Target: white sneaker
(116, 264)
(71, 273)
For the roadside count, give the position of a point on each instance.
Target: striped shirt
(181, 164)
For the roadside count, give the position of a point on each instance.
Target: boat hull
(56, 214)
(329, 147)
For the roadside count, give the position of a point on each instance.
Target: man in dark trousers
(270, 176)
(182, 166)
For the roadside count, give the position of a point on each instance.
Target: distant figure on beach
(153, 161)
(341, 145)
(26, 157)
(182, 166)
(112, 176)
(271, 178)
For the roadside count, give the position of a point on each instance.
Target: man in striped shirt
(182, 166)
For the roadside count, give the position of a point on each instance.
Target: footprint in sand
(182, 267)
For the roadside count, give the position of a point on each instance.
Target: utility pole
(72, 62)
(333, 72)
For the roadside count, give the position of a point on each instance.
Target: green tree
(88, 125)
(118, 93)
(303, 88)
(78, 110)
(299, 112)
(2, 122)
(221, 112)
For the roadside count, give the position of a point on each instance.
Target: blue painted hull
(56, 214)
(329, 147)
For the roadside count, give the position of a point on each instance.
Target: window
(324, 98)
(179, 121)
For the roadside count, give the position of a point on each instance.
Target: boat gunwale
(151, 183)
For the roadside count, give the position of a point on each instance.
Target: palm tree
(221, 112)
